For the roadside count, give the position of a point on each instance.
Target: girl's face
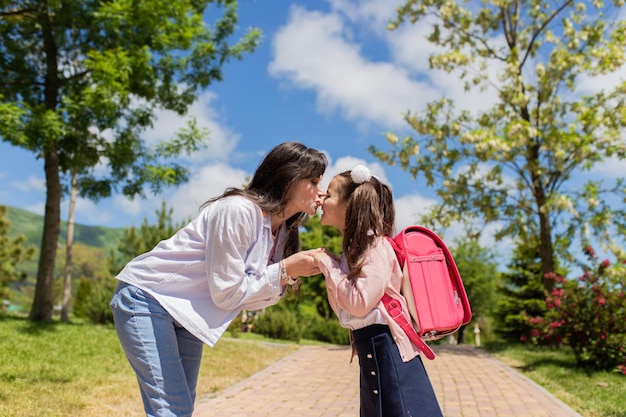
(334, 210)
(305, 196)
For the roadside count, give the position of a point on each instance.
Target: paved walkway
(319, 381)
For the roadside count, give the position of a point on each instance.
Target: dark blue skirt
(390, 387)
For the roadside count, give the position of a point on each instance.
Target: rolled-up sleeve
(237, 270)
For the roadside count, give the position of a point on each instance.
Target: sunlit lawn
(592, 394)
(80, 369)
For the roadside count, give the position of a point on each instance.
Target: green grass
(592, 394)
(80, 370)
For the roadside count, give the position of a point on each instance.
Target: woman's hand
(302, 264)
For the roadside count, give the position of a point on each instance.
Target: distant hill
(30, 225)
(22, 222)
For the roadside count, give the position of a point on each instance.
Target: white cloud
(89, 211)
(411, 50)
(410, 208)
(208, 178)
(130, 206)
(37, 208)
(221, 142)
(374, 14)
(313, 51)
(203, 185)
(320, 52)
(611, 168)
(606, 82)
(30, 184)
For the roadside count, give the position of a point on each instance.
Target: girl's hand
(322, 254)
(302, 264)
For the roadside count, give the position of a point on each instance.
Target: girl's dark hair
(370, 213)
(278, 172)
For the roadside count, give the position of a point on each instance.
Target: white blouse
(213, 268)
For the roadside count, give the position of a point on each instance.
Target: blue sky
(327, 73)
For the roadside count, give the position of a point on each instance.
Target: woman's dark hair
(278, 172)
(370, 213)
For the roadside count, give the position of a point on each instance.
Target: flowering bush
(588, 315)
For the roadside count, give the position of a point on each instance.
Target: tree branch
(541, 28)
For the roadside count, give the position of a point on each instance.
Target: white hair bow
(360, 174)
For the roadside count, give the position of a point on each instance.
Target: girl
(392, 378)
(241, 252)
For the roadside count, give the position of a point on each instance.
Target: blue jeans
(164, 355)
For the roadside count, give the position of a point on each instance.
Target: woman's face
(305, 196)
(334, 210)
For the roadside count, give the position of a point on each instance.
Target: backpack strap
(397, 250)
(394, 308)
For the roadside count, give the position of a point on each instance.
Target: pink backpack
(432, 286)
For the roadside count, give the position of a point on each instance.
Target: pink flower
(557, 292)
(589, 251)
(601, 301)
(605, 263)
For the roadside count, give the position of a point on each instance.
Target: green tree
(522, 294)
(12, 253)
(89, 272)
(479, 272)
(514, 163)
(81, 81)
(314, 288)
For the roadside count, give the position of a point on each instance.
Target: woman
(241, 252)
(393, 379)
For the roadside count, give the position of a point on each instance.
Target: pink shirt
(358, 303)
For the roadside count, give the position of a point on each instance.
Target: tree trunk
(460, 336)
(67, 283)
(546, 251)
(43, 302)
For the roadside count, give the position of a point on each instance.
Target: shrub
(93, 298)
(588, 315)
(235, 327)
(325, 330)
(278, 323)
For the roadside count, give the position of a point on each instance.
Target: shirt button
(373, 373)
(369, 356)
(375, 392)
